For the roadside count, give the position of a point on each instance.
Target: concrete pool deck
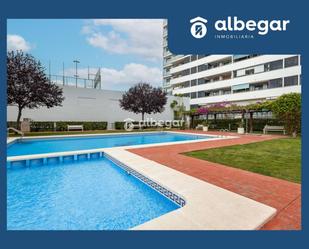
(207, 207)
(283, 195)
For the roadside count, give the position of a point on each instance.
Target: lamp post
(76, 75)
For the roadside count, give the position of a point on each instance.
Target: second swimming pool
(60, 144)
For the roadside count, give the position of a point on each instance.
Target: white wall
(83, 104)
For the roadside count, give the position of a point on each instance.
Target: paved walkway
(283, 195)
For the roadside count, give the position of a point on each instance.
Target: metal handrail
(15, 130)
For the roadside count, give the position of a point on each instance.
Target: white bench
(75, 127)
(199, 127)
(268, 128)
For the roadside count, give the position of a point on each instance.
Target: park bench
(268, 128)
(75, 127)
(199, 127)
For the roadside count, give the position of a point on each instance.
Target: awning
(240, 87)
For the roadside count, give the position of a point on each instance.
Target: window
(273, 65)
(291, 81)
(186, 84)
(201, 81)
(214, 93)
(201, 94)
(201, 68)
(249, 71)
(239, 73)
(257, 86)
(226, 91)
(193, 57)
(193, 95)
(241, 57)
(193, 82)
(185, 72)
(193, 70)
(275, 83)
(241, 90)
(291, 61)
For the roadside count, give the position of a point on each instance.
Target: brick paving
(283, 195)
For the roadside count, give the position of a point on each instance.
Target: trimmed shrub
(88, 125)
(232, 124)
(119, 125)
(41, 126)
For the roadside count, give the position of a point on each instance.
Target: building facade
(241, 79)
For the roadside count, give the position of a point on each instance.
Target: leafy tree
(143, 98)
(178, 107)
(288, 108)
(27, 84)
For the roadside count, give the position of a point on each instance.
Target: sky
(128, 51)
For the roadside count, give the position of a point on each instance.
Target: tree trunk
(143, 115)
(18, 118)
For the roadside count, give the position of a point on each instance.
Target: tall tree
(143, 98)
(27, 84)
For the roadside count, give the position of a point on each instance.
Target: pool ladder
(15, 130)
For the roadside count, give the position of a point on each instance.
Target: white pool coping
(208, 207)
(10, 139)
(67, 153)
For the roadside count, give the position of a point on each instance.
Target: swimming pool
(50, 145)
(81, 195)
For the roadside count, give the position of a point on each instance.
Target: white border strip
(68, 153)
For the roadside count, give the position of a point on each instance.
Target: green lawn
(279, 158)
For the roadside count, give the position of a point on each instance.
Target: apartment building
(240, 79)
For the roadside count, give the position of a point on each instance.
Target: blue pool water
(39, 146)
(83, 195)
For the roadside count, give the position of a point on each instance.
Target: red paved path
(283, 195)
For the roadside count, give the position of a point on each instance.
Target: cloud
(121, 79)
(141, 37)
(17, 42)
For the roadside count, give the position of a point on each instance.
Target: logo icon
(128, 124)
(198, 28)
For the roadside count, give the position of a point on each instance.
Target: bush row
(62, 125)
(232, 124)
(119, 125)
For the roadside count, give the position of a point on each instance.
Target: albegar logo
(232, 24)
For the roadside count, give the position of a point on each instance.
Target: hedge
(62, 125)
(119, 125)
(258, 124)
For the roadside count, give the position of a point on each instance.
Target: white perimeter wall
(83, 104)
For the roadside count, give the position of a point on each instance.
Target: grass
(54, 133)
(280, 158)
